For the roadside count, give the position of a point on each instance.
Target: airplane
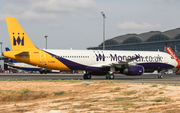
(170, 51)
(94, 62)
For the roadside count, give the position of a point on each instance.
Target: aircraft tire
(111, 76)
(44, 71)
(89, 76)
(85, 76)
(41, 72)
(161, 77)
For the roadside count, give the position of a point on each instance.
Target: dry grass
(71, 97)
(162, 99)
(22, 95)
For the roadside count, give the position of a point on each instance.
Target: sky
(78, 24)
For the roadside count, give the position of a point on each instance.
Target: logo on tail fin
(171, 53)
(18, 40)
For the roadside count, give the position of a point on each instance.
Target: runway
(146, 78)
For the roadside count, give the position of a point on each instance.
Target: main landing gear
(43, 71)
(160, 76)
(110, 76)
(87, 76)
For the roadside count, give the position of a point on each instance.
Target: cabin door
(42, 57)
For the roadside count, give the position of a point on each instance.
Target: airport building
(3, 63)
(149, 41)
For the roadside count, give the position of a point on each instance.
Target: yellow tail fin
(19, 39)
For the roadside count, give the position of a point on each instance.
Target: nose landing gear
(160, 75)
(110, 76)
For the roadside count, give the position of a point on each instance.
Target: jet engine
(134, 70)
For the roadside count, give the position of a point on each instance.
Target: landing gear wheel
(87, 76)
(160, 76)
(41, 72)
(111, 76)
(44, 71)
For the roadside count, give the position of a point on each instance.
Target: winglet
(133, 58)
(137, 56)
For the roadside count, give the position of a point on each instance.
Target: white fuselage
(81, 59)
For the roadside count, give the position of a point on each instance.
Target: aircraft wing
(133, 58)
(124, 63)
(118, 64)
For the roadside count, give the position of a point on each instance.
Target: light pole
(103, 29)
(1, 50)
(46, 40)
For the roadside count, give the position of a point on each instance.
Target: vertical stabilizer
(170, 51)
(7, 49)
(19, 39)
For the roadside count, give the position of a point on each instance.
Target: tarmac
(145, 78)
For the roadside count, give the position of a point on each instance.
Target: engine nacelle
(134, 70)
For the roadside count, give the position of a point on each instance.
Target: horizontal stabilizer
(24, 53)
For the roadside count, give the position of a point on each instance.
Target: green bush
(154, 85)
(25, 90)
